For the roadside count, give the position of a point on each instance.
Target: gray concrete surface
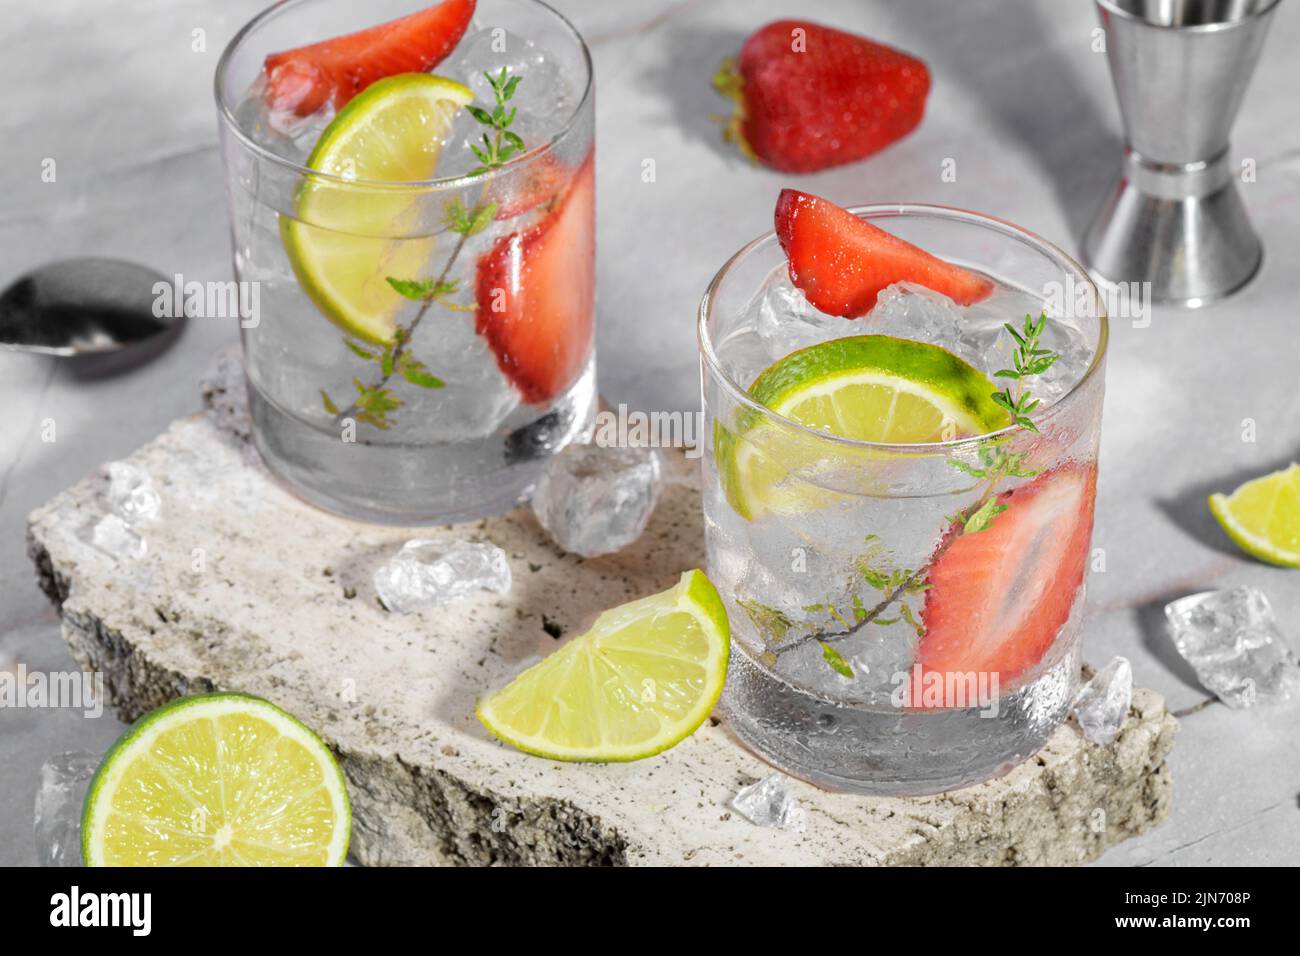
(119, 98)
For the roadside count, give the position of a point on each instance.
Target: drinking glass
(852, 571)
(453, 407)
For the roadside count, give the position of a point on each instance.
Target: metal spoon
(85, 306)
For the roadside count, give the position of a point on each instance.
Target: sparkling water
(473, 446)
(817, 667)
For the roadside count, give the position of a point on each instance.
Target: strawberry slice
(535, 291)
(304, 79)
(842, 262)
(998, 597)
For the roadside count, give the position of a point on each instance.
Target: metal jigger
(1181, 68)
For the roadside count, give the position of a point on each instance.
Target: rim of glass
(741, 396)
(447, 182)
(1113, 6)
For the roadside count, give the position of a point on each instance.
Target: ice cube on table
(131, 493)
(433, 572)
(770, 803)
(60, 794)
(596, 500)
(1233, 642)
(118, 539)
(1102, 704)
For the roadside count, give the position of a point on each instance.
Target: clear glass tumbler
(379, 405)
(884, 643)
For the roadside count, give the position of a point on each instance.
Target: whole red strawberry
(808, 96)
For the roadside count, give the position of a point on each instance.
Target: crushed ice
(1233, 642)
(60, 793)
(1102, 704)
(770, 803)
(431, 573)
(596, 500)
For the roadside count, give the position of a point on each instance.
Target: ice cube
(1101, 706)
(543, 97)
(786, 321)
(62, 789)
(131, 493)
(878, 658)
(433, 572)
(597, 500)
(1233, 642)
(769, 803)
(914, 312)
(981, 335)
(283, 132)
(874, 657)
(984, 341)
(118, 539)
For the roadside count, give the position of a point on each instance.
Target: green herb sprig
(1029, 359)
(503, 142)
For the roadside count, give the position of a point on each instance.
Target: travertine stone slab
(246, 588)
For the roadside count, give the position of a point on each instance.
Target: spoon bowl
(85, 306)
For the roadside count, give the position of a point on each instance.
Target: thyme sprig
(1029, 359)
(996, 464)
(503, 141)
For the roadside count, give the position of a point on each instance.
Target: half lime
(873, 388)
(217, 780)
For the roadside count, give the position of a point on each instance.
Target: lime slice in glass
(641, 680)
(874, 388)
(1263, 517)
(217, 780)
(341, 244)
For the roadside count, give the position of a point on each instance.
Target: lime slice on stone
(641, 680)
(874, 388)
(340, 245)
(217, 780)
(1263, 517)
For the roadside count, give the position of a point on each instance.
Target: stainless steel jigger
(1175, 220)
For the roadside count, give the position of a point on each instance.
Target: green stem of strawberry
(728, 82)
